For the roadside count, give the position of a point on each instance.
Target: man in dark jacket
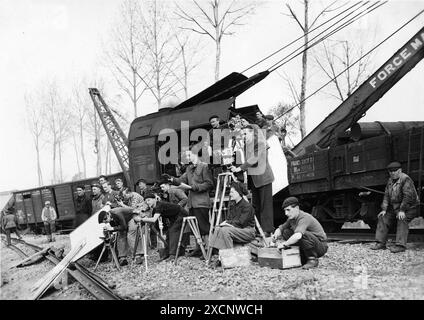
(400, 203)
(240, 223)
(175, 214)
(198, 180)
(260, 176)
(97, 198)
(10, 224)
(304, 230)
(173, 194)
(83, 207)
(117, 220)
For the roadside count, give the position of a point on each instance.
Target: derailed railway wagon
(346, 182)
(29, 203)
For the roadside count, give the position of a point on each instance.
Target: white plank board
(90, 231)
(277, 161)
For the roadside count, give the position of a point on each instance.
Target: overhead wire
(302, 36)
(344, 24)
(360, 58)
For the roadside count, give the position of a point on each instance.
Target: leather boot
(378, 246)
(311, 263)
(396, 249)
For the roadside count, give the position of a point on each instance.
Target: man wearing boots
(175, 214)
(304, 230)
(10, 224)
(399, 206)
(49, 216)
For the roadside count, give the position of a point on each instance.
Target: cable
(361, 14)
(387, 38)
(282, 48)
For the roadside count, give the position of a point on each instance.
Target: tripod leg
(195, 225)
(101, 255)
(114, 257)
(145, 244)
(137, 239)
(180, 239)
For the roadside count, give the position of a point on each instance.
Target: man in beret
(400, 203)
(304, 230)
(239, 225)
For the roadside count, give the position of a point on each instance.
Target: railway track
(89, 280)
(367, 235)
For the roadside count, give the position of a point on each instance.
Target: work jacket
(48, 214)
(401, 194)
(177, 196)
(97, 203)
(9, 221)
(199, 178)
(82, 205)
(256, 162)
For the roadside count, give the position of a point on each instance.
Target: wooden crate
(235, 257)
(276, 259)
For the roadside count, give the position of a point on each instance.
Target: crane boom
(363, 98)
(116, 136)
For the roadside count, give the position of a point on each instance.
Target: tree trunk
(304, 74)
(60, 161)
(134, 93)
(76, 152)
(84, 163)
(185, 72)
(39, 173)
(54, 160)
(217, 41)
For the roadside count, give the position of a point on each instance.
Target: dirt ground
(347, 271)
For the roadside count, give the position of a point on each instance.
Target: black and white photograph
(212, 156)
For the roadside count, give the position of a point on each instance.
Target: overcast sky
(64, 40)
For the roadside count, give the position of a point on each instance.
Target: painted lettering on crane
(397, 61)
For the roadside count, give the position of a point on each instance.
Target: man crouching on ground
(302, 229)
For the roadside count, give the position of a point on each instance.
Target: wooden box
(276, 259)
(235, 257)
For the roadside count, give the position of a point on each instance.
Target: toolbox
(276, 259)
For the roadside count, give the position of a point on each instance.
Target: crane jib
(397, 61)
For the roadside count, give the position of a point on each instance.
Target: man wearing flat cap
(304, 230)
(96, 198)
(399, 205)
(239, 225)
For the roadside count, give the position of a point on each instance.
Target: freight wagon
(29, 203)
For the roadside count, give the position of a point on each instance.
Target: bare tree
(287, 120)
(36, 125)
(305, 26)
(126, 51)
(338, 56)
(216, 19)
(161, 52)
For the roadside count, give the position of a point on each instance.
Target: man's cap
(141, 180)
(102, 215)
(118, 179)
(150, 195)
(269, 117)
(240, 188)
(95, 185)
(213, 117)
(290, 201)
(394, 165)
(163, 181)
(47, 202)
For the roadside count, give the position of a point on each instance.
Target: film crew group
(400, 204)
(304, 230)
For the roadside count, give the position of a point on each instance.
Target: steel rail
(89, 280)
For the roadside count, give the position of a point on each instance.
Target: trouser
(80, 218)
(173, 235)
(309, 245)
(224, 237)
(402, 228)
(49, 228)
(202, 215)
(262, 202)
(132, 234)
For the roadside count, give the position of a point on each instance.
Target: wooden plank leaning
(44, 283)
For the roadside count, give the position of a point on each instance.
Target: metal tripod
(194, 226)
(108, 244)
